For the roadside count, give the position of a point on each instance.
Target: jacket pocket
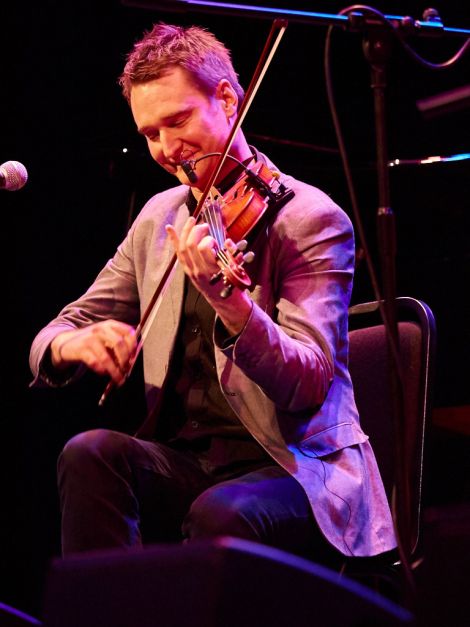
(332, 439)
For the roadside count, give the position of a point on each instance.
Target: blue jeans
(119, 491)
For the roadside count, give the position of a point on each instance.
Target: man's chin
(198, 184)
(180, 175)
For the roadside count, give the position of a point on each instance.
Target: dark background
(64, 118)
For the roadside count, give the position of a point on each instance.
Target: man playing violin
(252, 428)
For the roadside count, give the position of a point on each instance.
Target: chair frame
(414, 311)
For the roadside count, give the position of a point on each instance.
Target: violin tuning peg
(215, 277)
(225, 293)
(248, 257)
(242, 244)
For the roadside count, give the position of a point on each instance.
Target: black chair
(370, 372)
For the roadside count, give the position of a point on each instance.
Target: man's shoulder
(161, 208)
(307, 192)
(312, 209)
(172, 197)
(308, 199)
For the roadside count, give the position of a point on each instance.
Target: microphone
(13, 175)
(189, 171)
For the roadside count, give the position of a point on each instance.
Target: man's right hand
(106, 347)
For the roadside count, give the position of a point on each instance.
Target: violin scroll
(231, 268)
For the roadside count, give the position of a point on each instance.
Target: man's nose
(171, 146)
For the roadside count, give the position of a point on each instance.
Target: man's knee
(87, 447)
(222, 510)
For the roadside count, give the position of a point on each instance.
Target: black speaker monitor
(223, 583)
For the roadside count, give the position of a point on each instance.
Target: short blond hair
(192, 48)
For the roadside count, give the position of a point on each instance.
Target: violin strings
(211, 221)
(214, 220)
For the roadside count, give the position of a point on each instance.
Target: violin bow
(278, 29)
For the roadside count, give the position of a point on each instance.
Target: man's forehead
(172, 77)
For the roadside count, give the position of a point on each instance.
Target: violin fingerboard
(213, 217)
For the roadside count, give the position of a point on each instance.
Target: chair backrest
(370, 367)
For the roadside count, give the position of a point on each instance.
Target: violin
(257, 193)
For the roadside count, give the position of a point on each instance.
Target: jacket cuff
(53, 377)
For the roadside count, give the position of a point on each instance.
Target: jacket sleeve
(113, 294)
(292, 348)
(124, 287)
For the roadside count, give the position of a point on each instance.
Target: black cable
(436, 66)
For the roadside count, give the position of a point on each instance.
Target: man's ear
(226, 94)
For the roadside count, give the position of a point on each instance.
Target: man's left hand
(196, 251)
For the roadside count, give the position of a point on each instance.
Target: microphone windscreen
(13, 175)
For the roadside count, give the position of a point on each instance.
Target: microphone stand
(377, 49)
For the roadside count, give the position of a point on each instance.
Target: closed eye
(152, 136)
(178, 120)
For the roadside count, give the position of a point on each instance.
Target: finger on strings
(231, 246)
(195, 235)
(190, 248)
(207, 249)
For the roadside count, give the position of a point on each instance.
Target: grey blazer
(286, 375)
